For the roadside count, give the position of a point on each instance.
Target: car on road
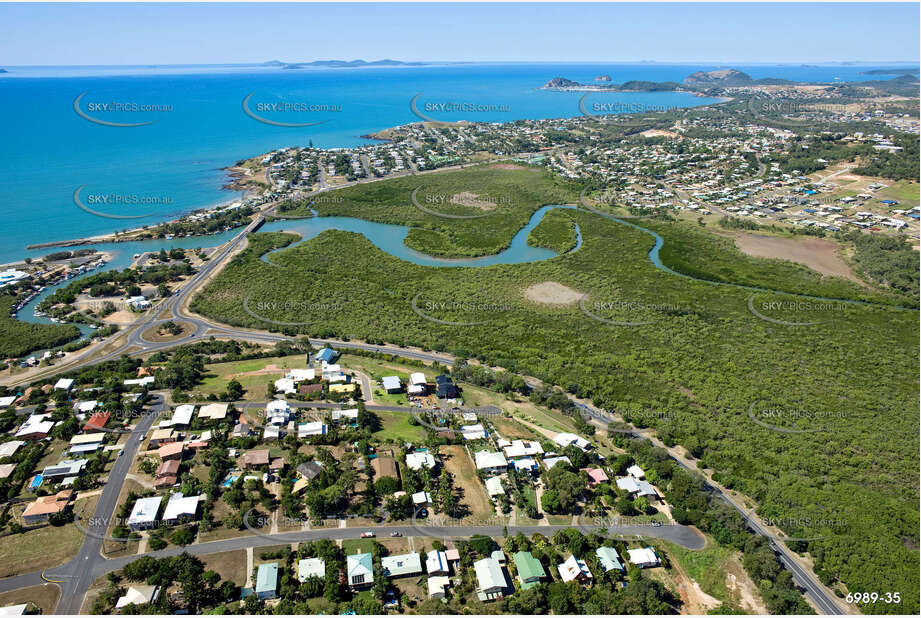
(367, 535)
(656, 524)
(396, 534)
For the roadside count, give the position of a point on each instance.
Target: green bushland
(699, 253)
(849, 383)
(516, 194)
(18, 338)
(556, 231)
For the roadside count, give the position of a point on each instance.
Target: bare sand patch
(552, 293)
(506, 166)
(658, 133)
(819, 254)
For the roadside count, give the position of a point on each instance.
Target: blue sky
(74, 34)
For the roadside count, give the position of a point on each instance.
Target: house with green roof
(267, 581)
(360, 570)
(530, 570)
(608, 559)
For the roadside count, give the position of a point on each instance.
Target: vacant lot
(253, 374)
(512, 429)
(396, 428)
(474, 494)
(45, 597)
(230, 565)
(819, 254)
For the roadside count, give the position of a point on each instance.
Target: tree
(234, 390)
(182, 536)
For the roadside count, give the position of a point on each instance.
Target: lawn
(249, 373)
(44, 547)
(230, 565)
(906, 193)
(354, 546)
(376, 369)
(459, 464)
(512, 429)
(395, 427)
(707, 567)
(45, 597)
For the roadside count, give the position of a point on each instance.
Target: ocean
(194, 124)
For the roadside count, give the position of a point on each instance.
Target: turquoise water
(390, 238)
(48, 151)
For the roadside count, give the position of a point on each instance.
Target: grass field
(230, 565)
(217, 375)
(44, 547)
(395, 427)
(459, 464)
(512, 429)
(44, 597)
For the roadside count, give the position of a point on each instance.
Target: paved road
(78, 574)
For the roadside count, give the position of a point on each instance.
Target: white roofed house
(637, 488)
(316, 428)
(565, 439)
(286, 386)
(494, 486)
(179, 507)
(345, 416)
(473, 432)
(422, 498)
(636, 472)
(417, 384)
(523, 448)
(491, 582)
(419, 460)
(643, 558)
(490, 463)
(144, 513)
(392, 384)
(277, 412)
(436, 563)
(311, 567)
(213, 411)
(574, 569)
(182, 416)
(37, 426)
(64, 384)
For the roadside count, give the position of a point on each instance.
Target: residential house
(255, 459)
(45, 506)
(392, 384)
(36, 427)
(636, 472)
(8, 449)
(359, 570)
(523, 448)
(419, 460)
(144, 513)
(421, 498)
(305, 430)
(530, 570)
(639, 489)
(526, 464)
(182, 416)
(267, 581)
(326, 355)
(438, 586)
(401, 565)
(417, 384)
(160, 437)
(173, 450)
(473, 432)
(180, 507)
(490, 463)
(565, 439)
(596, 476)
(137, 595)
(310, 567)
(643, 558)
(384, 465)
(491, 582)
(213, 411)
(65, 469)
(64, 384)
(445, 387)
(309, 470)
(167, 474)
(436, 563)
(86, 443)
(552, 461)
(608, 559)
(97, 420)
(574, 569)
(494, 487)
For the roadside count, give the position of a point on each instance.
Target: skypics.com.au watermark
(772, 417)
(599, 108)
(486, 203)
(767, 310)
(112, 200)
(97, 110)
(787, 107)
(287, 113)
(426, 308)
(262, 307)
(635, 307)
(422, 109)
